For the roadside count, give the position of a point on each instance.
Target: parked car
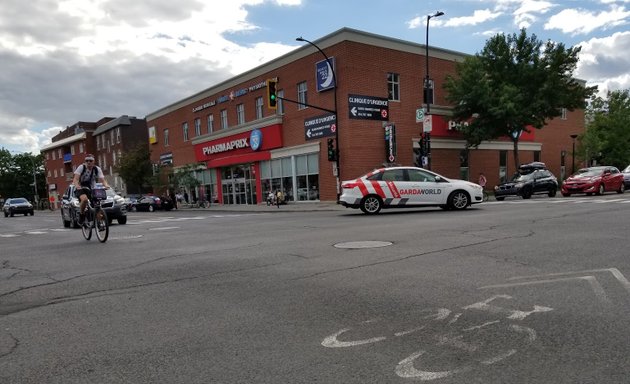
(626, 177)
(113, 205)
(151, 203)
(408, 187)
(531, 179)
(594, 180)
(17, 205)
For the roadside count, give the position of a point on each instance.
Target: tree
(607, 137)
(185, 177)
(514, 84)
(18, 173)
(135, 167)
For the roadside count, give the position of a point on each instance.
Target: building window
(111, 136)
(48, 156)
(72, 149)
(393, 86)
(210, 122)
(166, 137)
(81, 148)
(60, 153)
(197, 127)
(536, 155)
(563, 113)
(114, 157)
(240, 114)
(296, 176)
(302, 99)
(259, 108)
(502, 166)
(54, 155)
(224, 119)
(428, 91)
(280, 102)
(185, 131)
(61, 172)
(98, 143)
(463, 165)
(118, 135)
(55, 173)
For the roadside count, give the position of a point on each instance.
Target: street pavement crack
(408, 257)
(12, 347)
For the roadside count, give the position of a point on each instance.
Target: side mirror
(438, 179)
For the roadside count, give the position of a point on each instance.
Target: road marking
(35, 232)
(162, 228)
(8, 235)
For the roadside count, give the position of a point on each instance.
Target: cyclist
(86, 176)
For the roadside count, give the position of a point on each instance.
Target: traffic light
(332, 153)
(272, 97)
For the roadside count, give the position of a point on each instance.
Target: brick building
(242, 149)
(107, 139)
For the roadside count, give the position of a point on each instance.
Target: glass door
(238, 185)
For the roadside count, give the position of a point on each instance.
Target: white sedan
(408, 187)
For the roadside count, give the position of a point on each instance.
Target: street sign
(320, 126)
(427, 123)
(419, 115)
(368, 107)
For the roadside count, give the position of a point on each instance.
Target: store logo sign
(255, 139)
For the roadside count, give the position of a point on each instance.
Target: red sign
(443, 126)
(239, 145)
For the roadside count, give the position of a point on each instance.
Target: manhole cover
(363, 244)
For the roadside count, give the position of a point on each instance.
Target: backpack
(90, 180)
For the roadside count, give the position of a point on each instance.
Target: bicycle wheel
(101, 225)
(86, 228)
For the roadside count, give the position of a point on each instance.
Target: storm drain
(363, 244)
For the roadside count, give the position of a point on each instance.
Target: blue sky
(81, 60)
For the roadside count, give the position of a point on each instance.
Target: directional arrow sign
(320, 126)
(368, 107)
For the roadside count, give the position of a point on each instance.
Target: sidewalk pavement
(300, 206)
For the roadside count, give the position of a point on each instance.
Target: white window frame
(259, 107)
(198, 126)
(185, 130)
(302, 90)
(224, 119)
(393, 86)
(210, 123)
(240, 114)
(166, 137)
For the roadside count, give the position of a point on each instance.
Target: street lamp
(330, 65)
(427, 81)
(573, 137)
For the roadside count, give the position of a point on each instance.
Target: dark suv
(531, 179)
(114, 206)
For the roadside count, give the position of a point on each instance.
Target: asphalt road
(517, 291)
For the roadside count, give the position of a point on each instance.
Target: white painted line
(595, 286)
(614, 271)
(35, 232)
(162, 228)
(8, 235)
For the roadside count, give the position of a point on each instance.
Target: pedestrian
(173, 198)
(482, 180)
(270, 198)
(279, 197)
(186, 197)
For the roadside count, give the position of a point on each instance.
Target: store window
(296, 176)
(302, 95)
(464, 173)
(393, 86)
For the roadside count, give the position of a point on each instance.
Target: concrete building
(242, 149)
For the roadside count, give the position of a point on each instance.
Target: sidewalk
(302, 206)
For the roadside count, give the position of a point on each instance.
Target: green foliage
(135, 168)
(607, 136)
(17, 174)
(515, 83)
(185, 177)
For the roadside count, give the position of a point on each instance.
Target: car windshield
(519, 177)
(18, 201)
(627, 169)
(589, 172)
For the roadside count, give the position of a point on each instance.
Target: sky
(65, 61)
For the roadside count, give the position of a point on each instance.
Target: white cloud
(478, 17)
(605, 62)
(580, 21)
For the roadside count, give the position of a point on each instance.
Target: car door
(425, 188)
(542, 181)
(608, 178)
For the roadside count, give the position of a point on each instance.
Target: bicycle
(95, 216)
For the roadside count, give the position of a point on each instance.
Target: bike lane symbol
(468, 339)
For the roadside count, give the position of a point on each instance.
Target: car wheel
(25, 213)
(134, 209)
(66, 223)
(32, 213)
(6, 214)
(371, 204)
(527, 193)
(601, 189)
(109, 220)
(151, 209)
(552, 193)
(122, 220)
(622, 188)
(566, 194)
(459, 200)
(500, 198)
(11, 214)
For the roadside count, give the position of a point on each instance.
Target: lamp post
(337, 152)
(573, 137)
(427, 81)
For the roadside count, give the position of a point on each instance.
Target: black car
(531, 179)
(114, 207)
(152, 203)
(17, 205)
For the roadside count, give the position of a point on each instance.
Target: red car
(594, 180)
